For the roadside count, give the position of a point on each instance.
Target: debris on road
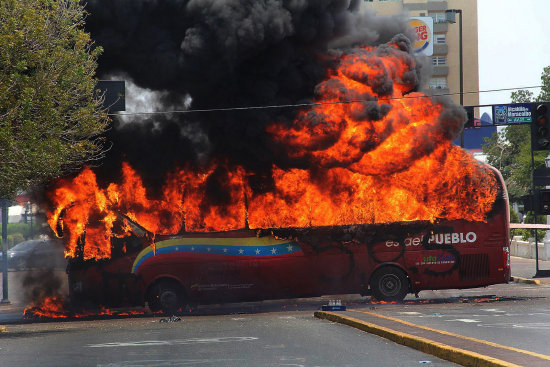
(172, 318)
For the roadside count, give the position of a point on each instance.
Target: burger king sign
(423, 28)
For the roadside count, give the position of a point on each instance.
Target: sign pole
(540, 140)
(461, 72)
(5, 209)
(534, 214)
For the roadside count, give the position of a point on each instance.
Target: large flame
(55, 308)
(377, 153)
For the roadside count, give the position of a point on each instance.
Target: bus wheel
(389, 284)
(166, 296)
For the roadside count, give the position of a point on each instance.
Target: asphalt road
(515, 322)
(268, 339)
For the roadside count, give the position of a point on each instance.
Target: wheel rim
(390, 285)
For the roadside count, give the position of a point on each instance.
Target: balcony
(439, 90)
(441, 27)
(430, 5)
(441, 49)
(440, 70)
(437, 5)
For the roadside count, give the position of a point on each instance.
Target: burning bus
(365, 194)
(387, 261)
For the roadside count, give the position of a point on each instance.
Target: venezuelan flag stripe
(248, 246)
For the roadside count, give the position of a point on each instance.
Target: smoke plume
(216, 54)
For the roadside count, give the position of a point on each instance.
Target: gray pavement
(248, 340)
(526, 268)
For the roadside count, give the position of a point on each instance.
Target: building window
(440, 38)
(439, 60)
(438, 17)
(368, 1)
(438, 83)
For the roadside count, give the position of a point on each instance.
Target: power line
(227, 109)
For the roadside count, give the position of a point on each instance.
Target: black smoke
(215, 54)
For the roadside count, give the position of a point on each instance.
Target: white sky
(514, 45)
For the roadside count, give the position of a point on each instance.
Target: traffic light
(540, 126)
(539, 203)
(544, 201)
(470, 121)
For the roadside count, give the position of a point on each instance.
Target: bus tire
(389, 284)
(166, 295)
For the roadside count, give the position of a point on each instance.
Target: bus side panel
(462, 255)
(341, 269)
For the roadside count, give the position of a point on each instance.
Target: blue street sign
(510, 114)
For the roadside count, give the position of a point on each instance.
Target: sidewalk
(525, 269)
(456, 348)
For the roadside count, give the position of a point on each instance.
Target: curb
(440, 350)
(525, 280)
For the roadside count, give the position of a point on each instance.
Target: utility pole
(450, 15)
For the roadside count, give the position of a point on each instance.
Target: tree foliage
(50, 118)
(509, 150)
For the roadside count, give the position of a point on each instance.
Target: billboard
(423, 28)
(474, 138)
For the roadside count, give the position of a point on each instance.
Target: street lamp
(450, 17)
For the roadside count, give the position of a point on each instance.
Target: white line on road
(466, 320)
(149, 343)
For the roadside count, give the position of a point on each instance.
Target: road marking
(531, 325)
(409, 313)
(425, 345)
(167, 362)
(149, 343)
(466, 320)
(542, 356)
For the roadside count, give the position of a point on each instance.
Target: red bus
(387, 261)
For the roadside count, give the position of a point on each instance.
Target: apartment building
(445, 76)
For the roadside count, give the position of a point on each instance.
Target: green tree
(509, 150)
(50, 119)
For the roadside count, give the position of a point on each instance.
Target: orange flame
(49, 307)
(385, 158)
(54, 308)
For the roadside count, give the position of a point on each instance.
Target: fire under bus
(387, 261)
